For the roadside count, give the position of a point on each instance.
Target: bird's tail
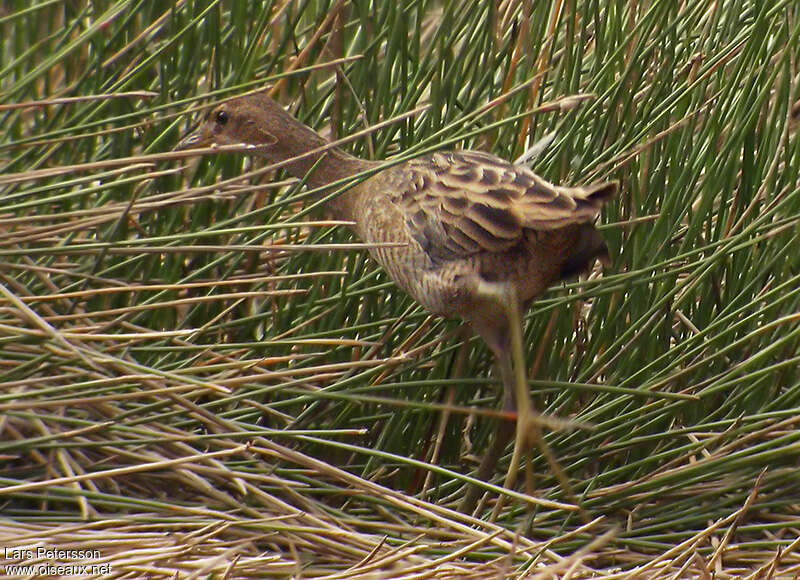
(588, 247)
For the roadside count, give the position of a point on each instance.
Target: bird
(466, 234)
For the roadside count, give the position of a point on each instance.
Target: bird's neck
(320, 165)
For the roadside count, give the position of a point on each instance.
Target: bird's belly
(416, 275)
(453, 288)
(403, 259)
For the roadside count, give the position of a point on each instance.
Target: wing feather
(462, 203)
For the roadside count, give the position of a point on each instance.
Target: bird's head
(250, 120)
(258, 121)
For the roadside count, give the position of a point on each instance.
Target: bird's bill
(199, 138)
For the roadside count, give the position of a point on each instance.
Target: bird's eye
(221, 117)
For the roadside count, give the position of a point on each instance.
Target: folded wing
(462, 203)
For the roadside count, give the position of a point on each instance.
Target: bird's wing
(461, 203)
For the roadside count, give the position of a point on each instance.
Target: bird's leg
(497, 333)
(528, 432)
(511, 360)
(508, 348)
(503, 434)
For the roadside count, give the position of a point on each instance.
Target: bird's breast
(451, 288)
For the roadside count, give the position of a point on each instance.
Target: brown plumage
(479, 238)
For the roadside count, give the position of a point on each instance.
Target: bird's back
(461, 217)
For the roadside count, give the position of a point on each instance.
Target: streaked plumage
(466, 221)
(465, 214)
